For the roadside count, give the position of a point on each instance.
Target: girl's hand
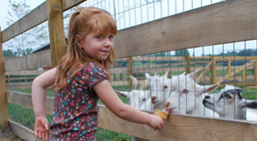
(41, 128)
(156, 122)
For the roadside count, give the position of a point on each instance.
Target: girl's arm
(127, 112)
(39, 86)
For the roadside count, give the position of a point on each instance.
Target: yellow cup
(161, 114)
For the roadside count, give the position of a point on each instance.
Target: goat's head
(229, 103)
(136, 98)
(181, 82)
(185, 101)
(160, 87)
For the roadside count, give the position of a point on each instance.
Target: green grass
(25, 116)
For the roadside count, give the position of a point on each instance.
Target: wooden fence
(210, 25)
(22, 79)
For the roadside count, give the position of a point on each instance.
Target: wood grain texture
(22, 131)
(224, 22)
(34, 18)
(3, 98)
(177, 127)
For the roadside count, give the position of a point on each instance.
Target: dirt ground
(8, 135)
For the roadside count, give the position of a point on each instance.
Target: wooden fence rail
(215, 24)
(177, 127)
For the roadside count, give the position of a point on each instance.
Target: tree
(35, 37)
(8, 53)
(181, 52)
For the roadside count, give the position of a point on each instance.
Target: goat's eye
(165, 87)
(143, 99)
(228, 96)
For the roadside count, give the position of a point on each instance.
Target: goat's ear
(123, 94)
(147, 76)
(185, 91)
(134, 82)
(144, 85)
(166, 73)
(209, 88)
(249, 104)
(195, 74)
(252, 105)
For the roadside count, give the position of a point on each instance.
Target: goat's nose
(207, 97)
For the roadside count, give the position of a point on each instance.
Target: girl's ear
(78, 41)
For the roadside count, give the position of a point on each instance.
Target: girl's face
(97, 46)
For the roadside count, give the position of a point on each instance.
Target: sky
(4, 6)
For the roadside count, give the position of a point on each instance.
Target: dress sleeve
(93, 74)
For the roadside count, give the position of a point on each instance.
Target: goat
(135, 97)
(160, 87)
(229, 103)
(188, 95)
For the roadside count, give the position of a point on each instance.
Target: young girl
(80, 79)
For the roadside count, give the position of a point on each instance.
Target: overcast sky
(4, 6)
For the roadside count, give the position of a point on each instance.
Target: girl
(80, 79)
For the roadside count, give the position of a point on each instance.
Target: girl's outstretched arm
(122, 110)
(39, 86)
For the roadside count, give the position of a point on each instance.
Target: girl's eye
(110, 37)
(99, 37)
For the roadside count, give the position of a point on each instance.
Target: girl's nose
(108, 42)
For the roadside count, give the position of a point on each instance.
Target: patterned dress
(75, 106)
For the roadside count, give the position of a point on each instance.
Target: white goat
(188, 95)
(136, 98)
(229, 103)
(160, 87)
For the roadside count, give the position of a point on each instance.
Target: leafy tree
(247, 52)
(18, 52)
(27, 40)
(181, 52)
(8, 53)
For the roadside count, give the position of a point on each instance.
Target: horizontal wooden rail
(34, 18)
(177, 127)
(37, 60)
(22, 131)
(211, 25)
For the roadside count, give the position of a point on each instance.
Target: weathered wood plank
(3, 99)
(37, 60)
(177, 127)
(182, 127)
(34, 18)
(25, 72)
(56, 30)
(215, 24)
(19, 86)
(22, 131)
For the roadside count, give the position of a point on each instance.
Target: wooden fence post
(188, 64)
(3, 97)
(243, 76)
(130, 61)
(229, 66)
(255, 71)
(213, 70)
(56, 30)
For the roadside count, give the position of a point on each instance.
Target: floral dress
(75, 106)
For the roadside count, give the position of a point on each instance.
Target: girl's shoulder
(93, 67)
